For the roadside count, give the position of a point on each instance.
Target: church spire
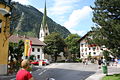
(44, 20)
(44, 31)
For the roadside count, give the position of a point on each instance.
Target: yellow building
(5, 12)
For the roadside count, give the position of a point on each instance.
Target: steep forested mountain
(26, 20)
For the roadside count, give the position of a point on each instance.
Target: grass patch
(112, 77)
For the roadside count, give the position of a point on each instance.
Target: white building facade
(37, 51)
(37, 45)
(87, 50)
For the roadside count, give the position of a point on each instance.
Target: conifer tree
(106, 15)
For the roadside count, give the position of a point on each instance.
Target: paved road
(66, 71)
(62, 71)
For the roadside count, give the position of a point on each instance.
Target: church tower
(44, 31)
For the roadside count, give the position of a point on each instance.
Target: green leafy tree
(106, 15)
(72, 44)
(15, 54)
(55, 45)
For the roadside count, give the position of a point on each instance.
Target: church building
(44, 31)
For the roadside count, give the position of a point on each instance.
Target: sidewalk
(99, 74)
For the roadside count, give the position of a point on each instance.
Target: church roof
(35, 41)
(44, 20)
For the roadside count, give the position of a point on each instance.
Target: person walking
(23, 74)
(116, 61)
(99, 63)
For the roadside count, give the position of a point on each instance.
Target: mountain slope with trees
(26, 20)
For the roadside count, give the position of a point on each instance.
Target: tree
(15, 54)
(72, 44)
(54, 45)
(106, 15)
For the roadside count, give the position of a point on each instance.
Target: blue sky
(75, 15)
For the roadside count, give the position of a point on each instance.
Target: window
(85, 45)
(85, 49)
(94, 52)
(94, 48)
(81, 45)
(38, 49)
(33, 49)
(38, 56)
(46, 34)
(89, 53)
(41, 35)
(89, 48)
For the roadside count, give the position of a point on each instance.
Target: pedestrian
(116, 61)
(86, 61)
(99, 63)
(112, 61)
(104, 61)
(23, 74)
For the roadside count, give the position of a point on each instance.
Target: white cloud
(59, 10)
(62, 6)
(76, 16)
(41, 9)
(25, 2)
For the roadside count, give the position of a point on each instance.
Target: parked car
(44, 62)
(34, 62)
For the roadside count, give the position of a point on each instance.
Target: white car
(46, 61)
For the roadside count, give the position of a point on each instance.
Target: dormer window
(46, 28)
(41, 35)
(46, 34)
(0, 25)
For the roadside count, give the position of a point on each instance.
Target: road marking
(47, 68)
(38, 70)
(42, 72)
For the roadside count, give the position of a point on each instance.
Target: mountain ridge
(26, 20)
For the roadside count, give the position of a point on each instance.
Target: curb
(96, 76)
(99, 75)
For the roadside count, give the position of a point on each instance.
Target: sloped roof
(35, 41)
(84, 36)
